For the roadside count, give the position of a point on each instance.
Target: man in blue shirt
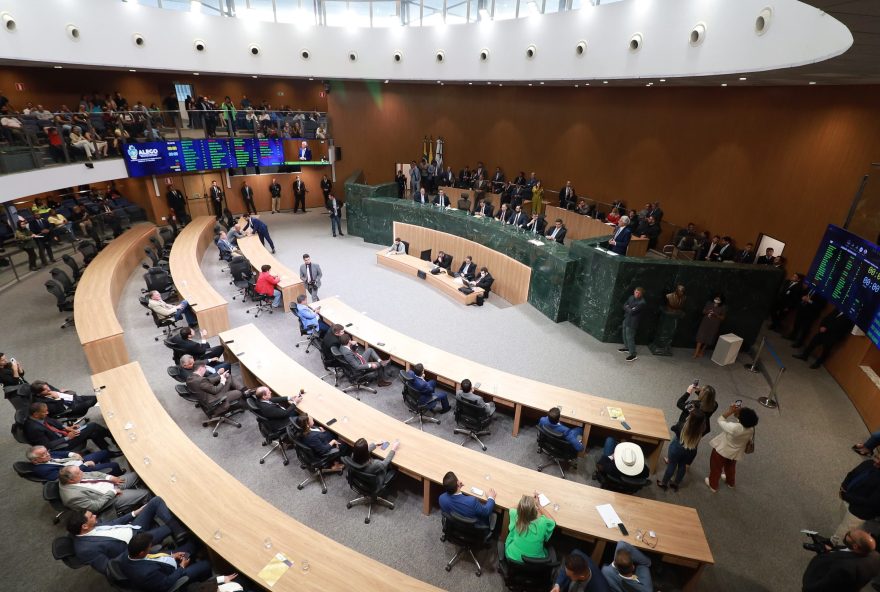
(579, 574)
(310, 319)
(630, 571)
(572, 435)
(425, 388)
(453, 500)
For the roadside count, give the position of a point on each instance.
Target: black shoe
(334, 236)
(673, 486)
(799, 357)
(273, 251)
(622, 349)
(661, 484)
(115, 453)
(447, 410)
(815, 365)
(340, 234)
(632, 358)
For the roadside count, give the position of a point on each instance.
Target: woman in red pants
(737, 430)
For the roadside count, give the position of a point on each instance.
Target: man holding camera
(860, 491)
(310, 274)
(842, 569)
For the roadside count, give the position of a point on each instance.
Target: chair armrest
(218, 403)
(179, 584)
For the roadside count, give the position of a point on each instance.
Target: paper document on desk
(616, 413)
(275, 569)
(536, 242)
(609, 515)
(543, 500)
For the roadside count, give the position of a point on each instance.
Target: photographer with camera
(847, 568)
(860, 492)
(704, 400)
(310, 274)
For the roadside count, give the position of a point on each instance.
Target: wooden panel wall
(512, 278)
(739, 161)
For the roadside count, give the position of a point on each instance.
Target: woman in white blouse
(737, 430)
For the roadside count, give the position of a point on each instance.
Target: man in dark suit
(632, 313)
(247, 194)
(709, 248)
(832, 330)
(299, 194)
(441, 200)
(216, 194)
(650, 230)
(725, 251)
(518, 218)
(42, 430)
(321, 441)
(767, 258)
(620, 240)
(97, 542)
(280, 411)
(503, 214)
(46, 465)
(177, 204)
(844, 569)
(448, 178)
(43, 231)
(331, 340)
(497, 180)
(452, 500)
(426, 388)
(260, 229)
(160, 571)
(275, 192)
(484, 281)
(464, 177)
(656, 212)
(442, 261)
(558, 232)
(787, 300)
(536, 225)
(808, 310)
(208, 388)
(567, 197)
(305, 153)
(747, 255)
(580, 573)
(483, 208)
(467, 270)
(63, 402)
(200, 351)
(366, 361)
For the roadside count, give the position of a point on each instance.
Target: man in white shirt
(160, 571)
(398, 248)
(421, 197)
(100, 492)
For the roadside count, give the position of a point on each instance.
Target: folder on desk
(616, 413)
(276, 568)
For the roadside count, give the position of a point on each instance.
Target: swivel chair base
(554, 461)
(370, 501)
(311, 340)
(334, 374)
(358, 388)
(422, 419)
(276, 445)
(472, 435)
(458, 554)
(316, 476)
(217, 422)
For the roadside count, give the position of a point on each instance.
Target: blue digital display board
(185, 156)
(846, 270)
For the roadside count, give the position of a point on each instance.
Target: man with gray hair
(620, 241)
(47, 465)
(164, 310)
(100, 492)
(188, 364)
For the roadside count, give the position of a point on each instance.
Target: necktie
(52, 428)
(309, 271)
(359, 357)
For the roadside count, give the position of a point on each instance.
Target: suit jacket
(49, 470)
(445, 263)
(247, 192)
(149, 575)
(208, 388)
(837, 325)
(352, 360)
(82, 497)
(278, 415)
(632, 311)
(468, 270)
(275, 190)
(194, 348)
(305, 154)
(318, 441)
(565, 201)
(299, 188)
(310, 318)
(468, 506)
(536, 226)
(519, 218)
(503, 215)
(724, 253)
(216, 193)
(442, 201)
(97, 551)
(37, 434)
(745, 257)
(161, 308)
(485, 282)
(334, 207)
(485, 210)
(418, 198)
(621, 238)
(38, 225)
(840, 570)
(597, 581)
(570, 434)
(560, 236)
(316, 274)
(176, 201)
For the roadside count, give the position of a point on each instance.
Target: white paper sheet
(609, 515)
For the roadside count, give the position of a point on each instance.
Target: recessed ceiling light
(438, 82)
(253, 75)
(542, 83)
(812, 82)
(604, 82)
(311, 78)
(586, 84)
(576, 85)
(662, 80)
(742, 78)
(723, 84)
(499, 84)
(530, 84)
(489, 83)
(649, 84)
(470, 83)
(386, 82)
(132, 70)
(58, 67)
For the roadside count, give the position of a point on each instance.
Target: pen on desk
(239, 354)
(230, 341)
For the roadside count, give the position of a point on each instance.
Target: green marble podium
(580, 282)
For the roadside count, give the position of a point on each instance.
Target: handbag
(750, 447)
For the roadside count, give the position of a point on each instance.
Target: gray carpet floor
(788, 484)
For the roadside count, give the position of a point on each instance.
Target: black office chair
(75, 269)
(215, 418)
(160, 250)
(473, 419)
(331, 365)
(119, 582)
(310, 460)
(155, 259)
(176, 352)
(159, 279)
(532, 574)
(311, 337)
(277, 438)
(168, 235)
(25, 470)
(621, 483)
(405, 246)
(467, 535)
(357, 379)
(17, 429)
(368, 486)
(63, 301)
(411, 399)
(63, 550)
(19, 396)
(88, 250)
(242, 275)
(167, 324)
(62, 278)
(176, 373)
(263, 301)
(556, 447)
(52, 494)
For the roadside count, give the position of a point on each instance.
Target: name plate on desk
(422, 275)
(536, 242)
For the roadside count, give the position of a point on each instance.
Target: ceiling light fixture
(470, 83)
(723, 84)
(195, 6)
(530, 84)
(576, 85)
(604, 82)
(132, 70)
(195, 73)
(812, 82)
(386, 82)
(542, 83)
(58, 67)
(253, 75)
(742, 78)
(662, 80)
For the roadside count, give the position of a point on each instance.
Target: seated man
(99, 492)
(844, 569)
(368, 360)
(331, 340)
(503, 214)
(97, 542)
(453, 500)
(484, 281)
(63, 402)
(188, 364)
(153, 573)
(320, 441)
(630, 571)
(468, 270)
(483, 208)
(443, 261)
(623, 459)
(583, 209)
(580, 574)
(558, 231)
(426, 388)
(465, 393)
(278, 410)
(11, 371)
(47, 465)
(200, 350)
(572, 435)
(209, 388)
(311, 320)
(224, 246)
(267, 285)
(397, 248)
(518, 218)
(164, 310)
(40, 429)
(536, 225)
(441, 200)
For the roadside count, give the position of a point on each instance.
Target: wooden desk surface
(208, 499)
(102, 282)
(579, 227)
(646, 422)
(258, 255)
(428, 457)
(185, 265)
(443, 282)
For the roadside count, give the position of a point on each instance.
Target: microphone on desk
(193, 304)
(98, 389)
(228, 342)
(239, 354)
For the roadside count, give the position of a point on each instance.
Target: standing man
(415, 178)
(275, 192)
(833, 329)
(299, 194)
(247, 194)
(326, 187)
(42, 232)
(632, 311)
(177, 204)
(747, 255)
(497, 180)
(335, 210)
(216, 194)
(620, 241)
(260, 229)
(567, 197)
(310, 274)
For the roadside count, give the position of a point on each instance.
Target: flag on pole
(438, 154)
(431, 148)
(425, 148)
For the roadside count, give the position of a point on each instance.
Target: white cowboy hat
(629, 459)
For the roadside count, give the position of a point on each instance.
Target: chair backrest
(52, 494)
(405, 246)
(295, 310)
(347, 369)
(19, 396)
(55, 289)
(167, 235)
(361, 481)
(184, 393)
(329, 361)
(162, 322)
(88, 250)
(73, 265)
(63, 550)
(176, 373)
(554, 444)
(157, 278)
(152, 255)
(25, 470)
(304, 454)
(465, 531)
(410, 395)
(471, 415)
(62, 278)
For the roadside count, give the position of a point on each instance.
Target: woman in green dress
(538, 198)
(529, 530)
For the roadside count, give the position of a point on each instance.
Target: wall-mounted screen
(186, 156)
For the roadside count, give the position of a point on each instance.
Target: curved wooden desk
(648, 424)
(185, 264)
(413, 265)
(291, 286)
(427, 458)
(94, 305)
(512, 278)
(230, 518)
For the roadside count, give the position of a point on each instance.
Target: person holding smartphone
(737, 425)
